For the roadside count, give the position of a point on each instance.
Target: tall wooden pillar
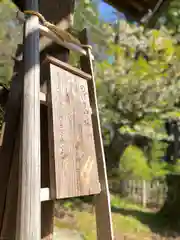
(29, 204)
(58, 12)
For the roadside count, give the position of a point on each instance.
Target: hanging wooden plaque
(73, 163)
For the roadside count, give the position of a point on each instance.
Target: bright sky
(107, 12)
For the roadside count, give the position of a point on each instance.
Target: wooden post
(29, 226)
(58, 12)
(144, 193)
(8, 230)
(11, 121)
(102, 200)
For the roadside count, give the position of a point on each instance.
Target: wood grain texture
(102, 200)
(47, 208)
(8, 230)
(29, 226)
(72, 158)
(7, 164)
(59, 13)
(68, 68)
(11, 121)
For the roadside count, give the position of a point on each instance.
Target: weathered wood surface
(59, 13)
(72, 160)
(68, 68)
(10, 212)
(8, 230)
(11, 121)
(47, 208)
(29, 225)
(102, 200)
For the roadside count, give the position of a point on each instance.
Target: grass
(116, 201)
(128, 224)
(85, 223)
(129, 220)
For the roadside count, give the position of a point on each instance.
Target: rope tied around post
(61, 34)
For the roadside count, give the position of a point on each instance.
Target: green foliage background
(137, 77)
(10, 36)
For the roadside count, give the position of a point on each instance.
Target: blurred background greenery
(137, 78)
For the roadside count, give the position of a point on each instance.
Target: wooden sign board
(73, 163)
